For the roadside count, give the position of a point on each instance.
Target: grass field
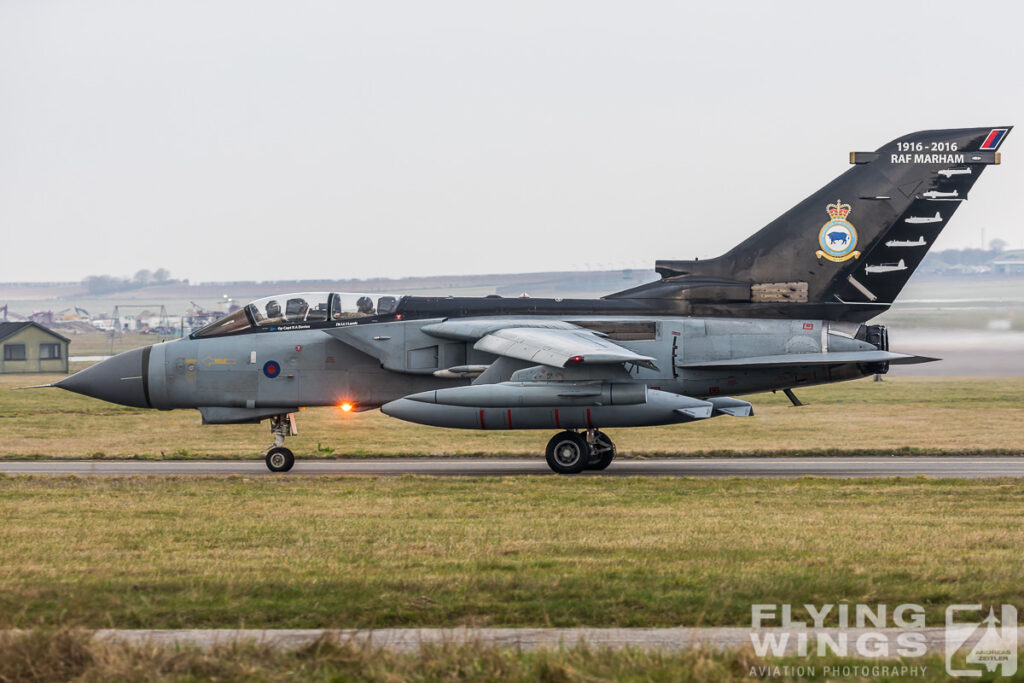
(934, 415)
(417, 551)
(67, 655)
(100, 343)
(525, 551)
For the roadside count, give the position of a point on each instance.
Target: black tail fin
(851, 246)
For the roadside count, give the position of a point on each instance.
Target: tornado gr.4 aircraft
(785, 308)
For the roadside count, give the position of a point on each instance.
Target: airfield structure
(117, 331)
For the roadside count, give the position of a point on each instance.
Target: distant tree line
(940, 260)
(108, 284)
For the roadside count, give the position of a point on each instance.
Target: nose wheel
(279, 458)
(572, 452)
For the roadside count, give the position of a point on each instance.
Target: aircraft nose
(118, 379)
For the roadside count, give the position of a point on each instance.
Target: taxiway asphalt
(782, 467)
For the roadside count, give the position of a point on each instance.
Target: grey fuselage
(226, 378)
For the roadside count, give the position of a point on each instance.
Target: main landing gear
(572, 452)
(279, 458)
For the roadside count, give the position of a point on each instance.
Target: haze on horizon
(265, 141)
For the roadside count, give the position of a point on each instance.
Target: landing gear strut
(279, 458)
(571, 452)
(602, 450)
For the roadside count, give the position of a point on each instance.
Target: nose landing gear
(571, 452)
(279, 458)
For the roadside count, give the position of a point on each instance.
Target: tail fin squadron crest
(838, 237)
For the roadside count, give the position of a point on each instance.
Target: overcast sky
(271, 140)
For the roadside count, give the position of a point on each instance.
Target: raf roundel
(838, 237)
(271, 369)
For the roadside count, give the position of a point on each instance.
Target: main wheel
(568, 453)
(280, 459)
(604, 452)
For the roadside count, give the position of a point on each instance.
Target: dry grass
(99, 343)
(527, 551)
(68, 655)
(925, 414)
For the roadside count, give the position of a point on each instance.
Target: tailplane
(846, 251)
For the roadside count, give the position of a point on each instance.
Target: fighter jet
(788, 307)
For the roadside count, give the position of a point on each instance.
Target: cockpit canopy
(302, 308)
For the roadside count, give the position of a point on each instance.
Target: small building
(30, 347)
(1009, 263)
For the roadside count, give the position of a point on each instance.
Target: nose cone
(118, 379)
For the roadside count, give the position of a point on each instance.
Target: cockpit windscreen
(300, 308)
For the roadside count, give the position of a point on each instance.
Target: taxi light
(346, 407)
